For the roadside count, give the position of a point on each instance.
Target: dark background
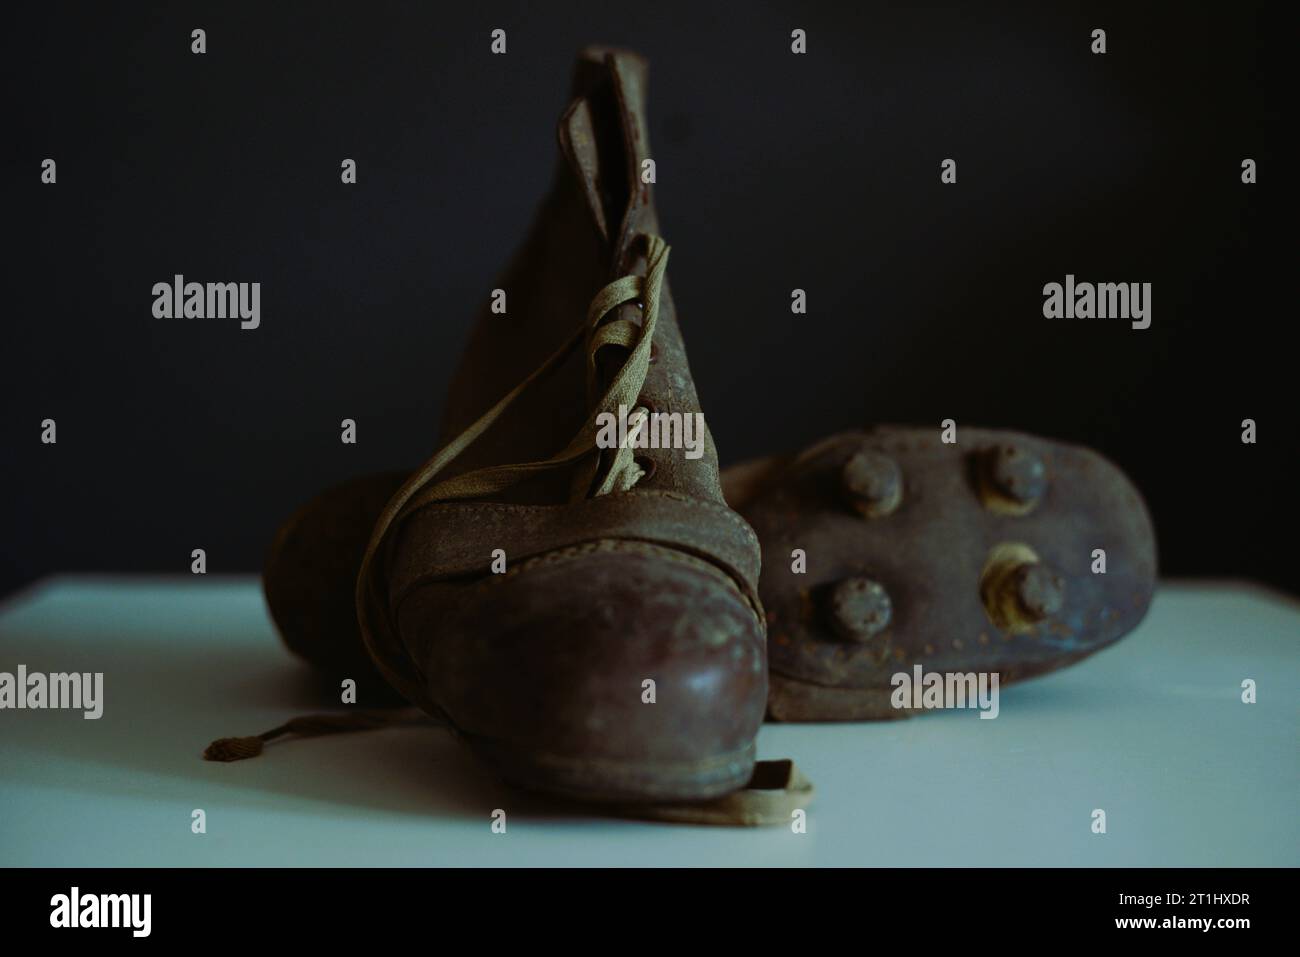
(775, 171)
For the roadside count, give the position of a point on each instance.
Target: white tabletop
(1153, 731)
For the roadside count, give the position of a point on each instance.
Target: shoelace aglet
(309, 725)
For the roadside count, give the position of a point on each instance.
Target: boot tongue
(578, 142)
(602, 135)
(629, 74)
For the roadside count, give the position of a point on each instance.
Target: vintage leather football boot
(585, 617)
(888, 549)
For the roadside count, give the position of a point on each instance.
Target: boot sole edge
(616, 781)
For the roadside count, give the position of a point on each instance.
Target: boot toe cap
(621, 666)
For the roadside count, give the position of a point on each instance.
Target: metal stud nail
(872, 483)
(859, 609)
(1017, 473)
(1040, 592)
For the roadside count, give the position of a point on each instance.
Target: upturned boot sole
(889, 549)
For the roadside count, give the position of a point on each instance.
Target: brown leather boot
(585, 617)
(889, 549)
